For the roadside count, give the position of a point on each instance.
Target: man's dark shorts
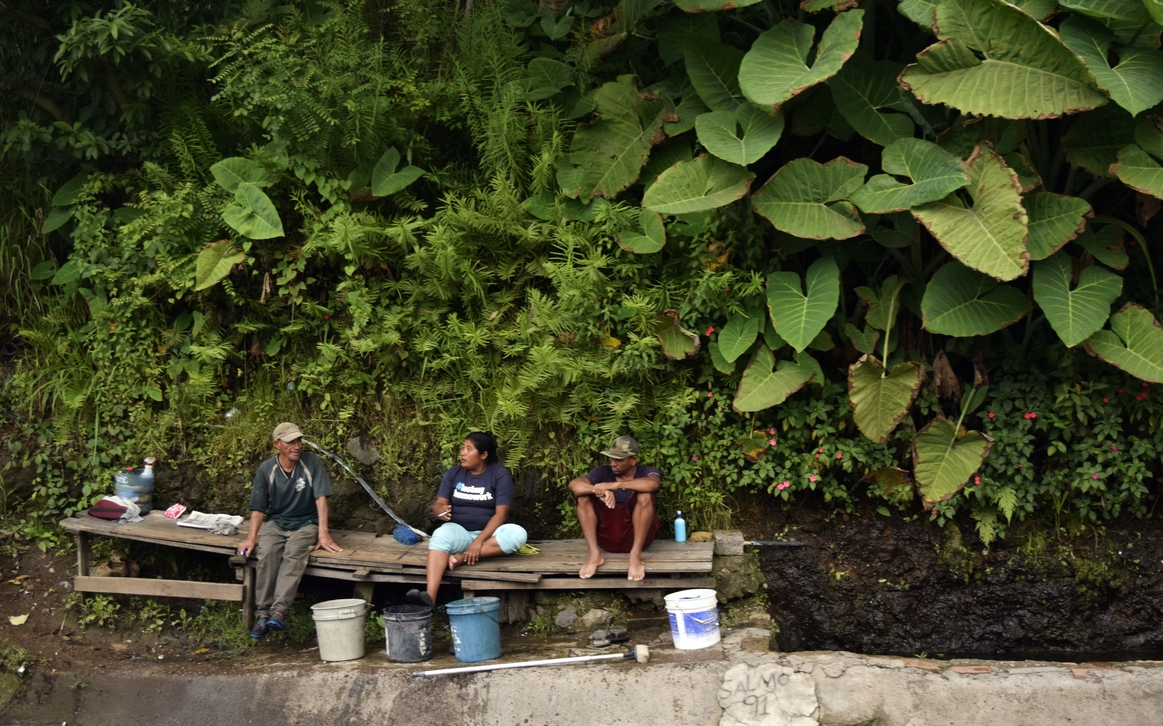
(616, 526)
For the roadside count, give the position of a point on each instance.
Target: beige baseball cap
(287, 432)
(623, 448)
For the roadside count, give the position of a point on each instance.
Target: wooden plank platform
(368, 558)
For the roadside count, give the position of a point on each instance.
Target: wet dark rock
(897, 587)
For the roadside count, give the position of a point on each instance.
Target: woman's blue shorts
(454, 539)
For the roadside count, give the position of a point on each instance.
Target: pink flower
(1030, 415)
(771, 442)
(709, 394)
(784, 485)
(820, 450)
(771, 432)
(1145, 384)
(817, 456)
(839, 456)
(976, 480)
(991, 414)
(1114, 448)
(811, 477)
(710, 329)
(934, 512)
(326, 317)
(1094, 476)
(1106, 400)
(694, 457)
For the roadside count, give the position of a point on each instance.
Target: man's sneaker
(277, 621)
(261, 626)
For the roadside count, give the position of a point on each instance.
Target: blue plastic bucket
(476, 628)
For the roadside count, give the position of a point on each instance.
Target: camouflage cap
(623, 448)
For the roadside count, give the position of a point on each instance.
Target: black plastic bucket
(408, 632)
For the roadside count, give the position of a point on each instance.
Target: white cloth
(201, 520)
(132, 511)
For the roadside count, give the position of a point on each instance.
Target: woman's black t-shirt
(475, 497)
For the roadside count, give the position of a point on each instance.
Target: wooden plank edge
(606, 583)
(159, 588)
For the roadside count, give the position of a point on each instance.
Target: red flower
(991, 414)
(1120, 390)
(1114, 448)
(934, 512)
(1106, 400)
(326, 317)
(976, 480)
(1145, 384)
(1030, 415)
(710, 330)
(839, 456)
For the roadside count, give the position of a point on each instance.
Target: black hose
(364, 484)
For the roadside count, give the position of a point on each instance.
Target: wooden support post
(83, 554)
(364, 591)
(247, 596)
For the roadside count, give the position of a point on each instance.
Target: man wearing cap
(615, 508)
(290, 491)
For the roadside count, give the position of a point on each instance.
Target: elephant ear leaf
(809, 199)
(1019, 54)
(741, 136)
(776, 67)
(881, 400)
(609, 153)
(229, 173)
(386, 180)
(1134, 343)
(677, 342)
(799, 317)
(652, 239)
(697, 186)
(762, 387)
(215, 262)
(1074, 314)
(944, 458)
(991, 235)
(254, 216)
(1135, 83)
(868, 97)
(713, 69)
(963, 303)
(1054, 220)
(738, 335)
(935, 174)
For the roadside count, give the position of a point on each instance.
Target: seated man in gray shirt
(290, 490)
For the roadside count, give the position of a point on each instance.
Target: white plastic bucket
(694, 618)
(339, 626)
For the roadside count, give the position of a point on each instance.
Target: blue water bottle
(679, 528)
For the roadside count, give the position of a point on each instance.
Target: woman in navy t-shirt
(473, 502)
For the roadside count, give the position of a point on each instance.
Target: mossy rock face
(10, 686)
(736, 576)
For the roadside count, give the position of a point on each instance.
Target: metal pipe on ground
(639, 653)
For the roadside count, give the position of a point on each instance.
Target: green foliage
(401, 221)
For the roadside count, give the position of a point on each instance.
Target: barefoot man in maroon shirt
(615, 508)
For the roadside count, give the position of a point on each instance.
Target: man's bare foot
(591, 566)
(636, 571)
(452, 562)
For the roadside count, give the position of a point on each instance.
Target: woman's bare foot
(636, 571)
(452, 562)
(591, 566)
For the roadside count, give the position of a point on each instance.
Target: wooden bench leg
(247, 596)
(84, 553)
(364, 591)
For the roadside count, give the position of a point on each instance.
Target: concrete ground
(738, 682)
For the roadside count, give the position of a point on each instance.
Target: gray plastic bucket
(408, 633)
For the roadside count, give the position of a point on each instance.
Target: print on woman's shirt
(472, 494)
